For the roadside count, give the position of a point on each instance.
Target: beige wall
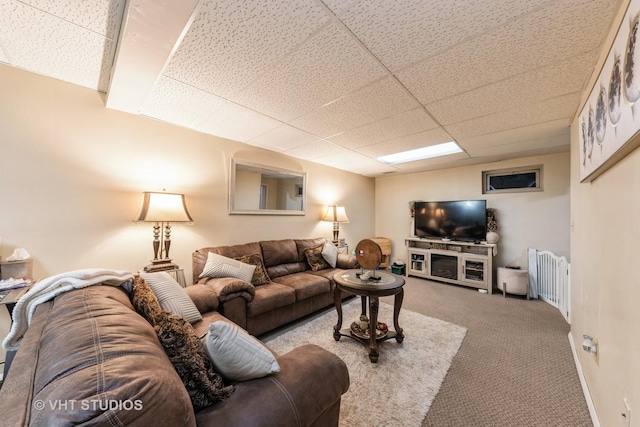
(526, 220)
(72, 175)
(605, 218)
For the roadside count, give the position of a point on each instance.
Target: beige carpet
(400, 388)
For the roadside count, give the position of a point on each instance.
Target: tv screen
(457, 220)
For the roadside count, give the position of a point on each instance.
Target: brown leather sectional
(295, 290)
(88, 358)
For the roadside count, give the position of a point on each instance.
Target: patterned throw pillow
(171, 296)
(183, 347)
(260, 275)
(222, 266)
(144, 301)
(315, 259)
(190, 360)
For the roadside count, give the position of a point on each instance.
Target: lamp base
(160, 265)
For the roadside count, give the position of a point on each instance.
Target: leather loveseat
(293, 290)
(88, 358)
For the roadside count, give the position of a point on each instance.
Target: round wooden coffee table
(383, 284)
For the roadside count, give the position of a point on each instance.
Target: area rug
(399, 389)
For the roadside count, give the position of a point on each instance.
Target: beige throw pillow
(236, 355)
(222, 266)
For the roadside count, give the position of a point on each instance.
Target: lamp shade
(336, 213)
(164, 207)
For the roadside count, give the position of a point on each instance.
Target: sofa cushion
(305, 284)
(304, 244)
(171, 296)
(275, 252)
(189, 358)
(204, 297)
(260, 275)
(236, 355)
(269, 297)
(90, 345)
(222, 266)
(315, 259)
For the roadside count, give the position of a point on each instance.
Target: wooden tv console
(462, 263)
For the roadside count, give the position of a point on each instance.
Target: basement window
(514, 180)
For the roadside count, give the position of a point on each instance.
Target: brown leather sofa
(295, 290)
(89, 359)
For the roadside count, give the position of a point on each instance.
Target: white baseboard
(583, 383)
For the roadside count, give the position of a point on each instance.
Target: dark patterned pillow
(183, 347)
(315, 259)
(190, 360)
(144, 301)
(260, 275)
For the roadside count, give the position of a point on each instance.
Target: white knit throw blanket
(48, 288)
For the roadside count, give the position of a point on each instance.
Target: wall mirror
(256, 189)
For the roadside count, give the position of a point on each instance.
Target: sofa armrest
(347, 261)
(228, 288)
(204, 297)
(306, 391)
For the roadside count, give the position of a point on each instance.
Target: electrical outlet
(626, 414)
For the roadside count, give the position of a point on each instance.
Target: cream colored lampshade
(336, 213)
(163, 209)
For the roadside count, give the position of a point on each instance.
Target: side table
(387, 284)
(176, 273)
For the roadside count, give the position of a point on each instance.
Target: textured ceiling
(336, 82)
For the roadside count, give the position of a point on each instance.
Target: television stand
(461, 263)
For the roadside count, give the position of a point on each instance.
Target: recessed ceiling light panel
(421, 153)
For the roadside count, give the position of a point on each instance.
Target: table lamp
(162, 209)
(336, 214)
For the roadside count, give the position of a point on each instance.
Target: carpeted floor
(399, 389)
(514, 367)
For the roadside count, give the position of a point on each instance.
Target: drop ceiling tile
(283, 138)
(238, 123)
(539, 112)
(402, 33)
(313, 150)
(551, 129)
(176, 102)
(409, 142)
(102, 17)
(516, 92)
(338, 7)
(231, 43)
(354, 162)
(406, 123)
(530, 145)
(376, 101)
(48, 45)
(532, 41)
(325, 68)
(3, 57)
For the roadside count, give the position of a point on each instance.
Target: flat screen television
(464, 220)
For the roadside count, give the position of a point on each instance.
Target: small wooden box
(16, 269)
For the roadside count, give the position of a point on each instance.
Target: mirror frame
(266, 168)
